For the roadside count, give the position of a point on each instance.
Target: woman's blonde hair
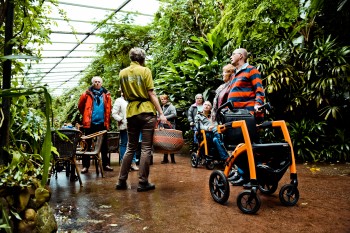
(229, 68)
(164, 96)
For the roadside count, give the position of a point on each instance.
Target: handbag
(167, 140)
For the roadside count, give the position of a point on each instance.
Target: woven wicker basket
(167, 140)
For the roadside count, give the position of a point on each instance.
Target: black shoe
(164, 161)
(73, 178)
(143, 187)
(173, 162)
(121, 185)
(107, 168)
(239, 182)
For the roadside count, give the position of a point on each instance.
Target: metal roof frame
(69, 48)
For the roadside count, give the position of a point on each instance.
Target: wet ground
(182, 202)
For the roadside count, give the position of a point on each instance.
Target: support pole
(6, 84)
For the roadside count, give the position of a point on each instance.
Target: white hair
(96, 77)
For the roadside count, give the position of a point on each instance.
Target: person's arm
(154, 99)
(172, 112)
(116, 111)
(202, 120)
(81, 103)
(189, 116)
(258, 89)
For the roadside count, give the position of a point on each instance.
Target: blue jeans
(123, 134)
(219, 146)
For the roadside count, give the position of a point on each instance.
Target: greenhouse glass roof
(64, 60)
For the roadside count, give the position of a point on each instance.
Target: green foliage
(313, 78)
(66, 107)
(200, 73)
(314, 141)
(339, 148)
(175, 23)
(257, 25)
(28, 139)
(307, 137)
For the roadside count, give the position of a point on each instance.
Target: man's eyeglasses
(97, 82)
(199, 98)
(235, 54)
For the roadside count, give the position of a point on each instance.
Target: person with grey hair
(95, 107)
(137, 85)
(191, 114)
(203, 119)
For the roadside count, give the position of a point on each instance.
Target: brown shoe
(107, 168)
(84, 170)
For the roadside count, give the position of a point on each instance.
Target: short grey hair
(199, 95)
(96, 77)
(137, 54)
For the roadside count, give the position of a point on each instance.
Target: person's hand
(256, 108)
(192, 123)
(162, 119)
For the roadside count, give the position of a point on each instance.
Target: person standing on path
(137, 86)
(246, 92)
(169, 111)
(119, 114)
(95, 107)
(221, 92)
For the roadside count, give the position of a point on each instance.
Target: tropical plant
(257, 25)
(307, 137)
(29, 150)
(175, 23)
(200, 73)
(30, 147)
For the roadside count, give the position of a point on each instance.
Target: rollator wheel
(268, 188)
(289, 195)
(194, 160)
(219, 187)
(248, 202)
(210, 165)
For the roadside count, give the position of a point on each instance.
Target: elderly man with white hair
(95, 107)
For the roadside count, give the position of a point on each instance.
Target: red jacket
(85, 107)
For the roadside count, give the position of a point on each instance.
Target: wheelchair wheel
(219, 187)
(248, 202)
(289, 195)
(210, 165)
(194, 160)
(268, 188)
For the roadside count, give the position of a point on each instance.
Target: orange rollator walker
(266, 163)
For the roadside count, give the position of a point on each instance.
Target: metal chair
(96, 152)
(112, 143)
(66, 147)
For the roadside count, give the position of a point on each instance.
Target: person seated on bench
(205, 123)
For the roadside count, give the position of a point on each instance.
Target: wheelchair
(266, 163)
(205, 153)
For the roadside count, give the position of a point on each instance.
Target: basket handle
(167, 122)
